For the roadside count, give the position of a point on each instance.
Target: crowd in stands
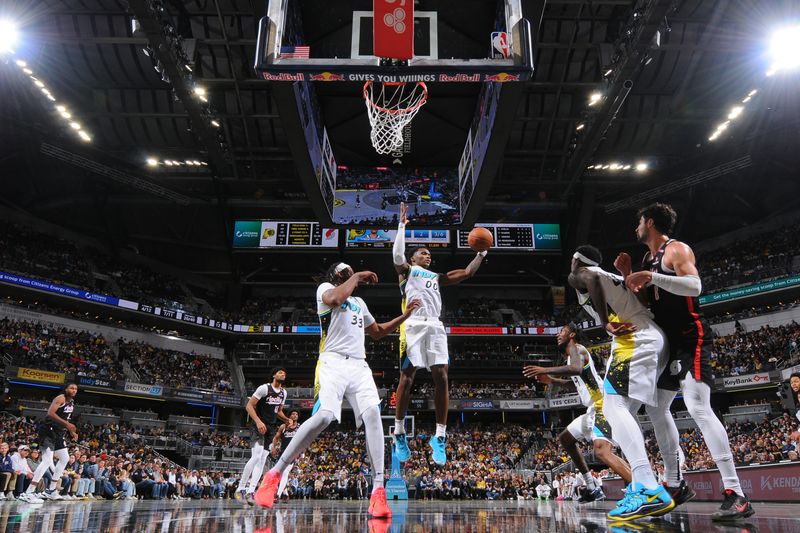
(177, 369)
(761, 257)
(482, 391)
(762, 350)
(108, 462)
(43, 347)
(751, 443)
(479, 466)
(750, 312)
(97, 318)
(48, 347)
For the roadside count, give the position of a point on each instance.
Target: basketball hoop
(390, 107)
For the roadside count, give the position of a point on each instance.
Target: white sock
(643, 474)
(441, 430)
(373, 432)
(399, 427)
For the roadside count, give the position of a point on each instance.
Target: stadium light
(215, 123)
(735, 112)
(152, 162)
(580, 127)
(8, 35)
(594, 98)
(84, 136)
(783, 48)
(641, 167)
(20, 63)
(74, 125)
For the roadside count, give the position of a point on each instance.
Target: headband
(340, 267)
(584, 259)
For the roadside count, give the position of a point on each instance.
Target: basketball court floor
(323, 516)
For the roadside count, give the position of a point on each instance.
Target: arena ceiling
(688, 61)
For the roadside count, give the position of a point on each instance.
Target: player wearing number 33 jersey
(342, 372)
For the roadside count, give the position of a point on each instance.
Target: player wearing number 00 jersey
(423, 341)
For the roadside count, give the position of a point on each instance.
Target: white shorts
(423, 343)
(636, 361)
(338, 377)
(590, 426)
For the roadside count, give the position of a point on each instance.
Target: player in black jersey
(265, 407)
(282, 438)
(52, 439)
(671, 282)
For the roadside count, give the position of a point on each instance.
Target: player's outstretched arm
(339, 294)
(379, 331)
(399, 246)
(573, 367)
(457, 276)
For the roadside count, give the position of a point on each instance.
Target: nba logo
(500, 45)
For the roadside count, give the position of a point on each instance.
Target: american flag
(294, 52)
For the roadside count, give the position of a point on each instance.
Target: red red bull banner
(770, 483)
(393, 28)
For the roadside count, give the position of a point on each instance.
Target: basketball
(480, 239)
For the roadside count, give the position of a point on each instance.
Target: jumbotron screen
(384, 238)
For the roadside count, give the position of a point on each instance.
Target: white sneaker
(52, 495)
(2, 496)
(28, 497)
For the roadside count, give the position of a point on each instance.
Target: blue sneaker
(438, 446)
(626, 494)
(401, 450)
(642, 503)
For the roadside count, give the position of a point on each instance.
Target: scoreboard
(283, 234)
(541, 237)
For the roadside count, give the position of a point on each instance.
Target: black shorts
(689, 354)
(266, 439)
(51, 437)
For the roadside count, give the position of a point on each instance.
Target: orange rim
(397, 111)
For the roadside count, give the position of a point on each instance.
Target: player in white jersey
(637, 356)
(423, 341)
(342, 372)
(591, 426)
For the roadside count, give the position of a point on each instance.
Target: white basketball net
(390, 107)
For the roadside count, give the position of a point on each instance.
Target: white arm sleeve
(399, 247)
(680, 285)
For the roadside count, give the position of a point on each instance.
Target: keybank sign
(247, 234)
